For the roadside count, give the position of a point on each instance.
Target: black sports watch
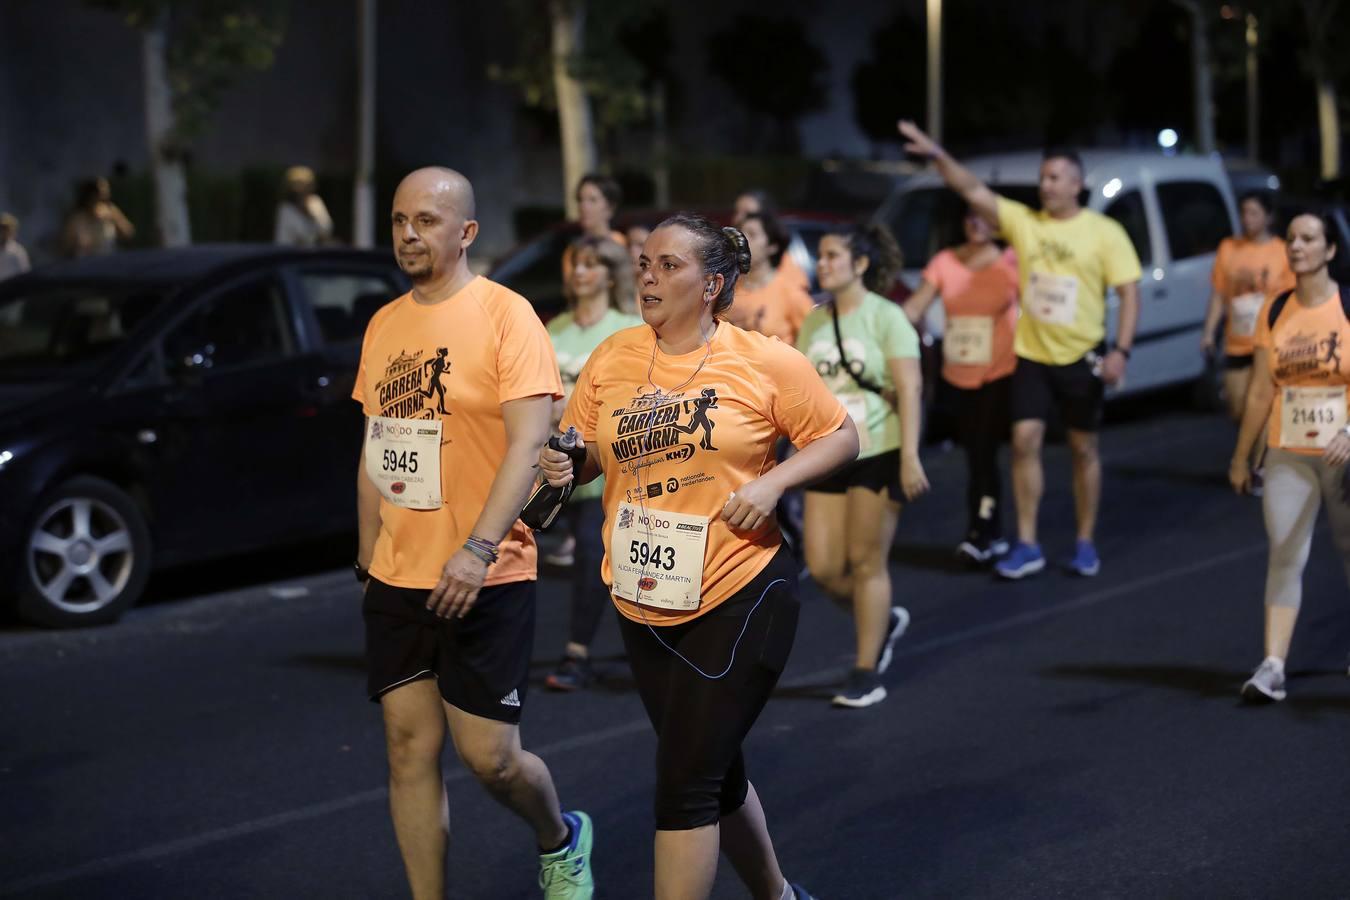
(362, 573)
(1123, 350)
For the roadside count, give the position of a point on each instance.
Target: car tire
(86, 556)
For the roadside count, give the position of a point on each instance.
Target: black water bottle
(547, 501)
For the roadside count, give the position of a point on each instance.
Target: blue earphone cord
(642, 505)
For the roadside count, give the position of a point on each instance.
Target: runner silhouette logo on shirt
(656, 428)
(414, 386)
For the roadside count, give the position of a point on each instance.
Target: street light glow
(1167, 139)
(1111, 188)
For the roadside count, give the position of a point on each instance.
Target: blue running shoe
(1023, 560)
(1085, 561)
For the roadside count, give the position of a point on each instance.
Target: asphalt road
(1059, 737)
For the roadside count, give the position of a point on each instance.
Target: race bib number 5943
(403, 460)
(656, 557)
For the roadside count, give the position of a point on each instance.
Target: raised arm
(960, 179)
(919, 301)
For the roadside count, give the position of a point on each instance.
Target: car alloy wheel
(80, 555)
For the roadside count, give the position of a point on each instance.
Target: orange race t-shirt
(777, 309)
(1246, 275)
(698, 430)
(1309, 348)
(981, 306)
(457, 361)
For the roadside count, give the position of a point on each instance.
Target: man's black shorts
(880, 473)
(481, 662)
(1074, 390)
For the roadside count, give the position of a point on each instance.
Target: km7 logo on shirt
(411, 382)
(650, 433)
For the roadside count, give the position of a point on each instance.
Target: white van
(1175, 209)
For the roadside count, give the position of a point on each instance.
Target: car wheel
(86, 556)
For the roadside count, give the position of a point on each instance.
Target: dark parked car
(168, 406)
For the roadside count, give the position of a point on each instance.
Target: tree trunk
(1200, 77)
(166, 163)
(1328, 124)
(568, 19)
(363, 191)
(660, 146)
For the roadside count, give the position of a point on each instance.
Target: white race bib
(403, 459)
(1311, 416)
(1246, 307)
(856, 406)
(969, 341)
(1052, 299)
(656, 557)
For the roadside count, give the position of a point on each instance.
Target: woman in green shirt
(867, 351)
(599, 287)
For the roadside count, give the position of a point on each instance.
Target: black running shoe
(862, 689)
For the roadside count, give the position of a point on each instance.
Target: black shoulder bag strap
(843, 359)
(1277, 305)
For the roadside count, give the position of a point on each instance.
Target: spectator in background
(598, 199)
(770, 300)
(13, 258)
(637, 236)
(95, 225)
(302, 219)
(757, 200)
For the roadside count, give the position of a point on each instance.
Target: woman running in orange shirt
(1300, 396)
(681, 417)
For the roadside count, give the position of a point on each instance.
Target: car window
(1128, 210)
(344, 301)
(1195, 216)
(927, 220)
(246, 323)
(61, 325)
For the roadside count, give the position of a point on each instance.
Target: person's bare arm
(908, 377)
(1113, 367)
(1212, 314)
(367, 514)
(919, 301)
(1260, 399)
(960, 179)
(754, 503)
(527, 429)
(121, 224)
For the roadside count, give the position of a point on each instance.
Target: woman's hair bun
(741, 246)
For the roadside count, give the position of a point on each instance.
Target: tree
(1326, 59)
(191, 53)
(775, 71)
(572, 60)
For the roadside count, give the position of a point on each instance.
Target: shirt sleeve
(802, 407)
(1015, 221)
(932, 273)
(526, 366)
(898, 338)
(1219, 278)
(1262, 336)
(1121, 265)
(359, 388)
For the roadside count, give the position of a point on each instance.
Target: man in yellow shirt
(1067, 257)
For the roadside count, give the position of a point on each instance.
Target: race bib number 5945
(403, 460)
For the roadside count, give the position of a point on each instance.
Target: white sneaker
(1267, 682)
(899, 621)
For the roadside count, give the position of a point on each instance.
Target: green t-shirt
(572, 345)
(875, 332)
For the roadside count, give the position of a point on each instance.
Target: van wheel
(86, 556)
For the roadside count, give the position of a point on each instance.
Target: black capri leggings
(700, 723)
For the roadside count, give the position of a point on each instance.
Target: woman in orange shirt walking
(978, 284)
(1248, 271)
(1300, 395)
(771, 299)
(682, 417)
